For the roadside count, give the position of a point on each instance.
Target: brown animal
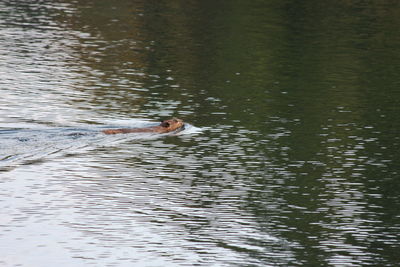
(164, 127)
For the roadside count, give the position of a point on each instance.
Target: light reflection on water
(273, 169)
(138, 198)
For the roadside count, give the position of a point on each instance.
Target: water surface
(291, 157)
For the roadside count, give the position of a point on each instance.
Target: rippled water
(290, 156)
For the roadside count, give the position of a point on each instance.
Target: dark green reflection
(316, 81)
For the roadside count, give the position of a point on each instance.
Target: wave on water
(26, 146)
(189, 129)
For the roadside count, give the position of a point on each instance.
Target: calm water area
(290, 157)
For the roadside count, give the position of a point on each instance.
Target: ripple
(298, 172)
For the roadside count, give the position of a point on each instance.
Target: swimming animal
(164, 127)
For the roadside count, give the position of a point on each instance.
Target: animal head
(172, 124)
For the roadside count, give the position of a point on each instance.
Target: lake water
(290, 156)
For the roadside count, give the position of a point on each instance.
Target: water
(290, 157)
